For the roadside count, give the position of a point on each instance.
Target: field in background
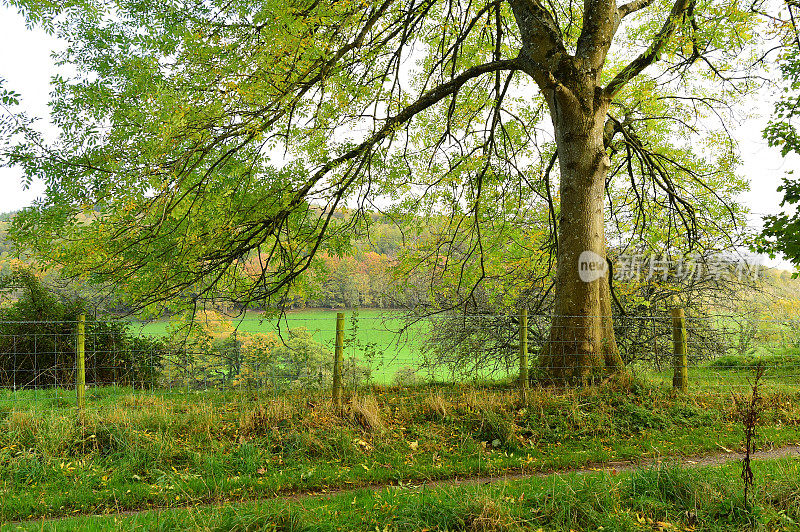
(320, 322)
(383, 342)
(392, 350)
(733, 373)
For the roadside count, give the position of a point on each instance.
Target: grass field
(376, 338)
(156, 449)
(397, 352)
(141, 450)
(734, 373)
(663, 498)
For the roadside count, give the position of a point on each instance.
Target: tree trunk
(582, 340)
(582, 343)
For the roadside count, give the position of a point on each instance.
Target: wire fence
(247, 358)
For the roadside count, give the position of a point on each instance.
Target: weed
(631, 418)
(282, 520)
(497, 429)
(264, 417)
(668, 483)
(434, 407)
(750, 412)
(366, 413)
(490, 516)
(246, 459)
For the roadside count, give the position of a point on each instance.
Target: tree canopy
(780, 233)
(197, 137)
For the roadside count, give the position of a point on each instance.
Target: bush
(218, 356)
(38, 342)
(406, 376)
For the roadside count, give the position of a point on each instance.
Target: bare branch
(256, 235)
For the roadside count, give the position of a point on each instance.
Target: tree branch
(600, 22)
(541, 36)
(272, 224)
(652, 54)
(425, 101)
(632, 7)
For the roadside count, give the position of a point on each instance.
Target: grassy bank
(145, 451)
(662, 498)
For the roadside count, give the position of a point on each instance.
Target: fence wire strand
(250, 358)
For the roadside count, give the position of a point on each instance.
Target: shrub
(38, 338)
(366, 413)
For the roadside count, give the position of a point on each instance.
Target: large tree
(195, 135)
(781, 230)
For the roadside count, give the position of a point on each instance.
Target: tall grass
(139, 451)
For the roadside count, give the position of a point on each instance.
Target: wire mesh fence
(248, 358)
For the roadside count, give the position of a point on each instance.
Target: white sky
(26, 65)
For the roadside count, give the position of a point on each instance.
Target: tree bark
(582, 343)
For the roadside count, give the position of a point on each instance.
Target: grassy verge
(663, 498)
(147, 451)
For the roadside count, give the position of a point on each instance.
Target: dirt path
(704, 460)
(715, 459)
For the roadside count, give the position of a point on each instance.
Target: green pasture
(734, 372)
(378, 339)
(393, 350)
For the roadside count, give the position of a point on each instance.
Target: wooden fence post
(337, 363)
(680, 379)
(80, 353)
(523, 355)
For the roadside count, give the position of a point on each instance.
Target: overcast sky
(26, 65)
